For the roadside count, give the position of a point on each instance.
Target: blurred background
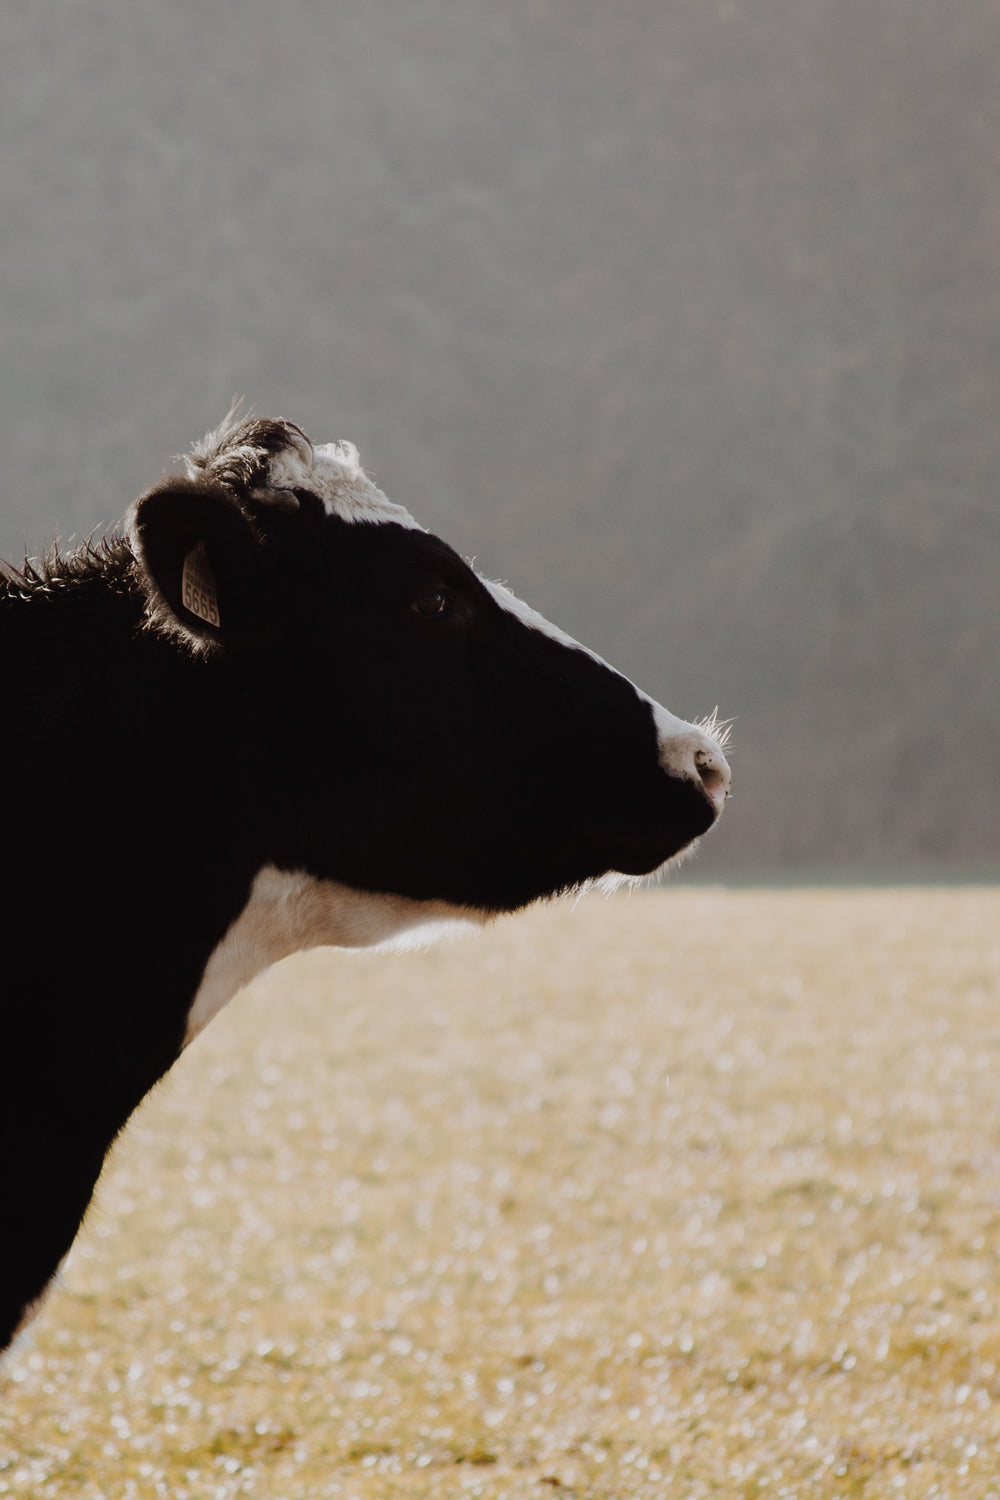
(682, 316)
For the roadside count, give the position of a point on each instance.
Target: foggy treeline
(683, 317)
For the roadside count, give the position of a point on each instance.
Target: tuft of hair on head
(239, 452)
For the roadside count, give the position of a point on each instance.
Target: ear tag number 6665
(198, 586)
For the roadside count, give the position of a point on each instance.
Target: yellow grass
(692, 1194)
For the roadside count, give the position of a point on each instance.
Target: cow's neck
(289, 911)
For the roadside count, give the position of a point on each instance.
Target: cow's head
(405, 726)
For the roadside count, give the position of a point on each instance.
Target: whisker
(720, 730)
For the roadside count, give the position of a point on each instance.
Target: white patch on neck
(333, 472)
(289, 911)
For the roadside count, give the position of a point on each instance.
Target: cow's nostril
(715, 775)
(695, 756)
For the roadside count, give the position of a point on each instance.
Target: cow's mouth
(648, 839)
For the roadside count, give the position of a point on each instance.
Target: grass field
(695, 1193)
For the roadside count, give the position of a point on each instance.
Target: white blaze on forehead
(333, 472)
(691, 752)
(530, 617)
(667, 724)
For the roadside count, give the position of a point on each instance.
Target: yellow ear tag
(198, 583)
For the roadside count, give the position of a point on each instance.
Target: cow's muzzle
(695, 755)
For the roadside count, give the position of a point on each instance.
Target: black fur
(154, 764)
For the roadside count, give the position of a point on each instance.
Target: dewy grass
(690, 1194)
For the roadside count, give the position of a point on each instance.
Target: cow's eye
(429, 605)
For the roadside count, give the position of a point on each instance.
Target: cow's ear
(199, 560)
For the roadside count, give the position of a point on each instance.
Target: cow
(271, 712)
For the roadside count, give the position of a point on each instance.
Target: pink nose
(695, 757)
(716, 777)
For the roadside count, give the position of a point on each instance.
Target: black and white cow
(275, 713)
